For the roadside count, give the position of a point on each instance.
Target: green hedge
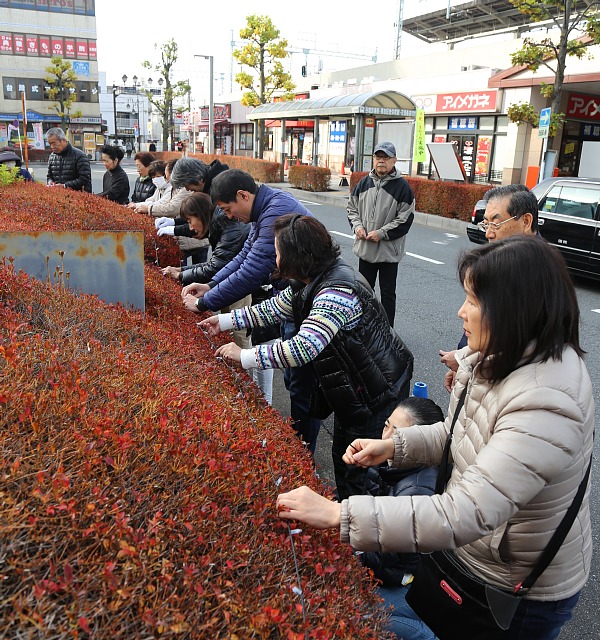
(446, 199)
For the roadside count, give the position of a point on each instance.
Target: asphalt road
(429, 296)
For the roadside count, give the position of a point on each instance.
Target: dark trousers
(299, 383)
(388, 273)
(349, 478)
(198, 256)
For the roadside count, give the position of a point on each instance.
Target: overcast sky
(348, 27)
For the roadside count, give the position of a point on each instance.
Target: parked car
(568, 218)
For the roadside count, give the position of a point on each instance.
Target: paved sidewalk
(338, 197)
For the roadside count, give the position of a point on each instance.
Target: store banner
(482, 158)
(419, 152)
(3, 135)
(38, 136)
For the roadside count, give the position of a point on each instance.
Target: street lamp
(211, 106)
(116, 93)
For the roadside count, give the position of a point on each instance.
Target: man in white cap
(381, 210)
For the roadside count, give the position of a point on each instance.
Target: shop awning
(383, 104)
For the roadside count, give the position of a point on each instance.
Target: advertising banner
(419, 152)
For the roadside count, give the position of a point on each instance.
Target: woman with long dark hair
(521, 446)
(362, 366)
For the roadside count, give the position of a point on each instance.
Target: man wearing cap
(381, 210)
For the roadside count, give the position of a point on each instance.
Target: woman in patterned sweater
(362, 366)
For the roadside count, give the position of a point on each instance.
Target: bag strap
(558, 537)
(440, 483)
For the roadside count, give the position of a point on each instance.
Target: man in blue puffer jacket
(238, 195)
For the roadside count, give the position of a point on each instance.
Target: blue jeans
(404, 622)
(536, 620)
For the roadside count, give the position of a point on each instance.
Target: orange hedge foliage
(446, 199)
(140, 473)
(309, 178)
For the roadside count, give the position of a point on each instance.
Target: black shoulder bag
(454, 603)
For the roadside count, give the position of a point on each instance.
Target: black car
(569, 219)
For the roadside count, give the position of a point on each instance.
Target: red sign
(92, 52)
(466, 101)
(69, 48)
(584, 106)
(482, 159)
(19, 43)
(6, 42)
(32, 45)
(82, 49)
(45, 46)
(57, 46)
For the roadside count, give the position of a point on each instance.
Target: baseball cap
(387, 147)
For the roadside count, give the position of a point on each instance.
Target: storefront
(469, 120)
(582, 124)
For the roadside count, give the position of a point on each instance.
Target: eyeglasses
(494, 226)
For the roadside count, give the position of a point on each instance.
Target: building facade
(31, 32)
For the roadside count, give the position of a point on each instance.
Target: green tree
(61, 81)
(578, 25)
(262, 54)
(172, 92)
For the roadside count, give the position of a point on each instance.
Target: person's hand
(189, 302)
(449, 359)
(373, 236)
(361, 234)
(159, 223)
(171, 272)
(140, 207)
(305, 505)
(132, 205)
(230, 352)
(50, 183)
(211, 325)
(449, 380)
(196, 289)
(368, 453)
(166, 231)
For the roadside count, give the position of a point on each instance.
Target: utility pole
(399, 24)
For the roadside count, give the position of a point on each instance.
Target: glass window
(571, 128)
(572, 201)
(35, 89)
(83, 91)
(10, 88)
(502, 124)
(246, 137)
(42, 5)
(428, 124)
(499, 160)
(441, 123)
(6, 43)
(486, 123)
(269, 141)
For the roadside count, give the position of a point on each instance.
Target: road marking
(451, 235)
(344, 235)
(596, 310)
(316, 204)
(414, 255)
(439, 242)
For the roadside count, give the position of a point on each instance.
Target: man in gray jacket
(381, 210)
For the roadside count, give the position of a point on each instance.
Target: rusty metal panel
(109, 264)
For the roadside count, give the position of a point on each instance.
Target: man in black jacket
(68, 167)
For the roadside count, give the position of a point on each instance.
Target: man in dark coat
(68, 167)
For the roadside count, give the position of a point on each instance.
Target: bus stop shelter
(365, 109)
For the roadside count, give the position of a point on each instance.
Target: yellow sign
(419, 152)
(569, 147)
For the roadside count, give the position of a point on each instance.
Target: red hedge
(140, 476)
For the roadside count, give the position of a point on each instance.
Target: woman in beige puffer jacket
(521, 447)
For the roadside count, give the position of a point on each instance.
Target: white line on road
(412, 255)
(596, 310)
(316, 204)
(451, 235)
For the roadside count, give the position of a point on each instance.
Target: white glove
(166, 231)
(159, 223)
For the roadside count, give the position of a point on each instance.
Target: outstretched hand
(211, 325)
(368, 453)
(305, 505)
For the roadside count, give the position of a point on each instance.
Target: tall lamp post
(116, 93)
(211, 106)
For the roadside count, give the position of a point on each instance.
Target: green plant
(523, 113)
(61, 81)
(8, 175)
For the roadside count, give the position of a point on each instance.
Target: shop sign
(482, 159)
(467, 156)
(426, 102)
(590, 131)
(19, 44)
(220, 112)
(580, 105)
(6, 42)
(466, 101)
(32, 45)
(337, 131)
(460, 123)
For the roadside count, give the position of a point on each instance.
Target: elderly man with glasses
(510, 210)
